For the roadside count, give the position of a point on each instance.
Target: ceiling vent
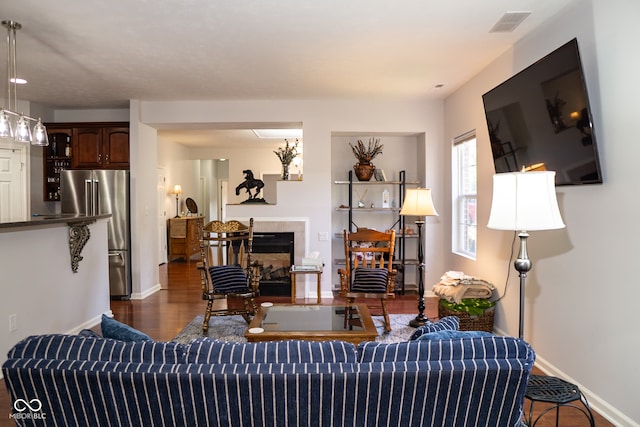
(509, 22)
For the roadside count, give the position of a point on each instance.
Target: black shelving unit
(399, 221)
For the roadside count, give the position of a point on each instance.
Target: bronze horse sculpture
(249, 183)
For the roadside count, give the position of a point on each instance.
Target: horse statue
(249, 183)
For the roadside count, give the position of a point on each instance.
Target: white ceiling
(99, 54)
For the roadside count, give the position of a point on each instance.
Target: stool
(554, 390)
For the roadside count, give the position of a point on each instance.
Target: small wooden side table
(297, 269)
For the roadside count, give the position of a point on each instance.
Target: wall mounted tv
(540, 119)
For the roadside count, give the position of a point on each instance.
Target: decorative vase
(364, 171)
(285, 172)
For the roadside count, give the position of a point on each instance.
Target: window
(464, 198)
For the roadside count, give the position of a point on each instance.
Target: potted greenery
(364, 154)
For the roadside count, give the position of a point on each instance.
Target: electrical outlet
(13, 322)
(323, 236)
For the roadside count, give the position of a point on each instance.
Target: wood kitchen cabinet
(101, 147)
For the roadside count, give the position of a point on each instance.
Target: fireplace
(275, 251)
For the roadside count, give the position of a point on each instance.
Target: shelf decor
(365, 154)
(286, 156)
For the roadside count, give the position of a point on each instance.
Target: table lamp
(524, 201)
(417, 202)
(177, 190)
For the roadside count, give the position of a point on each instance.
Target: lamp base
(419, 321)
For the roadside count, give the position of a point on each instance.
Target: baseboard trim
(89, 323)
(143, 295)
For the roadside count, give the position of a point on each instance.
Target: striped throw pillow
(366, 279)
(228, 279)
(449, 323)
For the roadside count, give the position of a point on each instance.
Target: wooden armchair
(369, 272)
(227, 272)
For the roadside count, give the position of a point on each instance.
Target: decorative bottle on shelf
(385, 198)
(67, 150)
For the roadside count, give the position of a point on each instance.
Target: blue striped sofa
(76, 381)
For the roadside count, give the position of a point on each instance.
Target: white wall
(310, 198)
(144, 206)
(39, 287)
(580, 294)
(179, 169)
(259, 158)
(400, 153)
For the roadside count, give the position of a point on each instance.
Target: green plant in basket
(472, 306)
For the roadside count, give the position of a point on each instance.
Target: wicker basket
(483, 322)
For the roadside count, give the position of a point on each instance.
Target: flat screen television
(540, 119)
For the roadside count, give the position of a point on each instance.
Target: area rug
(232, 328)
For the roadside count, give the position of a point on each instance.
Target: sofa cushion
(113, 329)
(491, 347)
(228, 279)
(366, 279)
(451, 323)
(205, 350)
(73, 347)
(448, 334)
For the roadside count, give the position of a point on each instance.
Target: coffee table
(275, 322)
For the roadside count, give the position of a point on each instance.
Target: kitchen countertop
(47, 219)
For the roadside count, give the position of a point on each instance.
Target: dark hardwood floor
(163, 315)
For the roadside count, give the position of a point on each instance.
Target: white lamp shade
(177, 189)
(525, 201)
(418, 202)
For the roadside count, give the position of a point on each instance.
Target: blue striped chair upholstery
(464, 382)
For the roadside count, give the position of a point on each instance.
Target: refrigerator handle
(96, 197)
(88, 200)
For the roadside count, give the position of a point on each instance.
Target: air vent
(509, 22)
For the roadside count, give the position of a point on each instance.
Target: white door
(222, 199)
(13, 193)
(162, 217)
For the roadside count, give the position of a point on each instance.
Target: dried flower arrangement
(366, 153)
(288, 153)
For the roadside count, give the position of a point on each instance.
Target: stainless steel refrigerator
(95, 192)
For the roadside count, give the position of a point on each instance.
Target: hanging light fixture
(17, 126)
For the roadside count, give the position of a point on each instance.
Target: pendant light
(17, 126)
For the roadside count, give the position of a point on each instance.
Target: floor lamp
(417, 202)
(177, 190)
(524, 201)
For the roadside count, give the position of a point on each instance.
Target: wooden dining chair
(227, 271)
(369, 272)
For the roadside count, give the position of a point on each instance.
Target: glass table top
(311, 318)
